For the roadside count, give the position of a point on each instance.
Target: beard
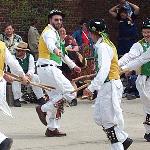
(147, 38)
(57, 26)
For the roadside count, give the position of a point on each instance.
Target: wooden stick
(87, 81)
(82, 77)
(34, 84)
(31, 83)
(48, 86)
(80, 88)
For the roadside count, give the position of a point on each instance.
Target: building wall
(20, 12)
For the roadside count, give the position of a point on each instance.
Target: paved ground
(82, 133)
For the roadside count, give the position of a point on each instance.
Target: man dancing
(7, 58)
(50, 60)
(139, 57)
(108, 112)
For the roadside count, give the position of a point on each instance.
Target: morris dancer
(139, 56)
(48, 70)
(108, 112)
(7, 58)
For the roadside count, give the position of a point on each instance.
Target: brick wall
(20, 13)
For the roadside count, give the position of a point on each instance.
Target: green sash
(145, 69)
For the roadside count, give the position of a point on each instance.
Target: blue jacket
(78, 36)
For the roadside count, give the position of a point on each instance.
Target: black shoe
(137, 96)
(147, 137)
(41, 101)
(127, 143)
(130, 96)
(6, 144)
(17, 103)
(24, 102)
(74, 102)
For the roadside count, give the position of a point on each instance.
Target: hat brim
(24, 49)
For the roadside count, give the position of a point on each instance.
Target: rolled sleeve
(134, 52)
(138, 62)
(68, 61)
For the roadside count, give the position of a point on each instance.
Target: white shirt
(135, 58)
(105, 56)
(13, 63)
(50, 38)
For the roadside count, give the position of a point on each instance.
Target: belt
(59, 67)
(44, 65)
(145, 75)
(107, 80)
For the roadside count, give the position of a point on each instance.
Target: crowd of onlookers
(79, 46)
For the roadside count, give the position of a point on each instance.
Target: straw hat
(22, 46)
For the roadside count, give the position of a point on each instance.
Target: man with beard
(50, 60)
(139, 57)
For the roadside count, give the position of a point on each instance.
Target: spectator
(128, 33)
(33, 38)
(126, 14)
(71, 48)
(26, 61)
(126, 5)
(85, 43)
(69, 41)
(83, 37)
(10, 38)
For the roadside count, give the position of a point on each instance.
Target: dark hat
(55, 12)
(146, 24)
(97, 25)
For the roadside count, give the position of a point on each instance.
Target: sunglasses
(57, 20)
(19, 51)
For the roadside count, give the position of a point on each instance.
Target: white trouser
(108, 113)
(143, 86)
(2, 137)
(53, 76)
(16, 88)
(3, 104)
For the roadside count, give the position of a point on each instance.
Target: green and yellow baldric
(43, 50)
(114, 68)
(145, 69)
